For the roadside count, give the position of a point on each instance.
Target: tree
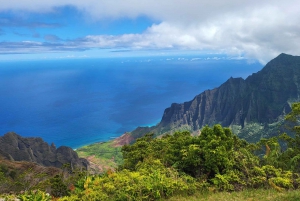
(58, 188)
(291, 156)
(137, 152)
(217, 149)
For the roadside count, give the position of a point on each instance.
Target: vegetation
(245, 195)
(24, 176)
(103, 155)
(185, 167)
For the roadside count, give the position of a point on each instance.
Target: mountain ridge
(263, 98)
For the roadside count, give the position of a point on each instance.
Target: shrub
(58, 188)
(35, 195)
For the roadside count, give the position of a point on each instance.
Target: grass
(102, 156)
(246, 195)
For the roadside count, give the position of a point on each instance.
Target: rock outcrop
(16, 148)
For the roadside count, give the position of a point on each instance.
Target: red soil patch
(124, 139)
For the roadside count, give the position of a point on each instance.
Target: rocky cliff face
(16, 148)
(262, 99)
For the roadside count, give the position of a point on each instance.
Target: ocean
(75, 102)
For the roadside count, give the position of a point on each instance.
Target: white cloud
(254, 29)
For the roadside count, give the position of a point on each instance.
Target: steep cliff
(257, 102)
(16, 148)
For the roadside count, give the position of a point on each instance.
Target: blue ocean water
(82, 101)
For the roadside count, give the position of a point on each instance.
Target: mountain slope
(249, 105)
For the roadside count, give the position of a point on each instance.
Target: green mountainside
(178, 167)
(252, 108)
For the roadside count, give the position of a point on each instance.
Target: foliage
(102, 153)
(180, 165)
(208, 154)
(217, 158)
(58, 187)
(217, 149)
(36, 195)
(247, 195)
(230, 181)
(144, 184)
(28, 177)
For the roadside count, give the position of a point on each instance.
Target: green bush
(58, 188)
(230, 181)
(154, 183)
(35, 195)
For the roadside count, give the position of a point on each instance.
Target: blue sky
(260, 30)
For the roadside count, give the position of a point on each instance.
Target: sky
(58, 29)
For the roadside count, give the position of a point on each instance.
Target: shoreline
(98, 142)
(112, 138)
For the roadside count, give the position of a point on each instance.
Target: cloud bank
(256, 29)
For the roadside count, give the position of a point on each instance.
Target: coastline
(94, 143)
(102, 156)
(116, 137)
